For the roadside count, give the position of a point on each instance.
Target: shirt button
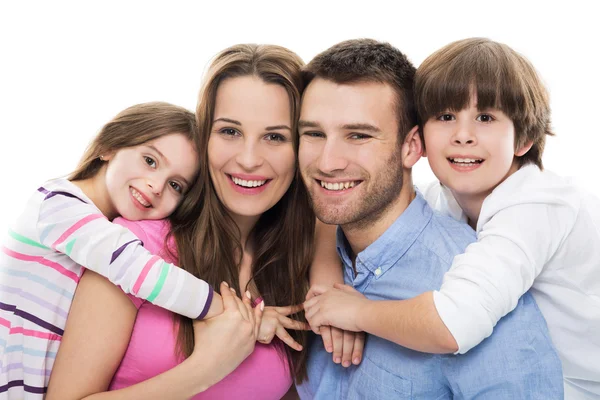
(378, 271)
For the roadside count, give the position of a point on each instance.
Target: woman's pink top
(152, 347)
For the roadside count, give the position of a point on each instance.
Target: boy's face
(471, 151)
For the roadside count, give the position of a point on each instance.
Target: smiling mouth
(465, 162)
(137, 195)
(248, 183)
(337, 186)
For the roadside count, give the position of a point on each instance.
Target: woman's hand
(275, 321)
(228, 338)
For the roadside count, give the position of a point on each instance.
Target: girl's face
(148, 181)
(471, 151)
(250, 150)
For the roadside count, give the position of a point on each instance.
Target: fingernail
(262, 306)
(225, 283)
(329, 349)
(337, 360)
(346, 364)
(248, 295)
(356, 361)
(232, 289)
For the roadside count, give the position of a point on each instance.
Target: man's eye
(176, 186)
(359, 136)
(150, 161)
(485, 118)
(313, 134)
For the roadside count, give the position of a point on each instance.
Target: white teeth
(245, 183)
(139, 197)
(338, 185)
(465, 160)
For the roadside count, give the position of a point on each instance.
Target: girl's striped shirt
(60, 232)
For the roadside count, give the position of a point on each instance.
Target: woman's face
(250, 150)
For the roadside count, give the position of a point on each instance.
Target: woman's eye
(176, 186)
(275, 137)
(150, 161)
(228, 131)
(485, 118)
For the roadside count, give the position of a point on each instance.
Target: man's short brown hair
(367, 60)
(500, 77)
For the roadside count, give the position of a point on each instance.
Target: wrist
(365, 308)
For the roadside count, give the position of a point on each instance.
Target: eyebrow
(238, 123)
(354, 126)
(166, 160)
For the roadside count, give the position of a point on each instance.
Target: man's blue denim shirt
(517, 361)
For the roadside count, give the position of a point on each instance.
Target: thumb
(344, 288)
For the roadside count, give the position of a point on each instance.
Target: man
(358, 143)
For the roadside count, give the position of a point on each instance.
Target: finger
(337, 339)
(326, 336)
(311, 303)
(289, 323)
(345, 288)
(228, 298)
(359, 345)
(240, 305)
(310, 317)
(348, 347)
(290, 309)
(247, 300)
(258, 316)
(287, 338)
(316, 290)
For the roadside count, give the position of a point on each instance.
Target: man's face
(349, 156)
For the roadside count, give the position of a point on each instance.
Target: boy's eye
(485, 118)
(150, 161)
(445, 117)
(312, 134)
(275, 137)
(176, 186)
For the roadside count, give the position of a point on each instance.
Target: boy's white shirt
(535, 230)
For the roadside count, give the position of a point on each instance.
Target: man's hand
(275, 321)
(338, 307)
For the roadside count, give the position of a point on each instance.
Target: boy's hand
(275, 321)
(337, 307)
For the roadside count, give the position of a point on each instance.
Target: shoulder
(152, 233)
(446, 237)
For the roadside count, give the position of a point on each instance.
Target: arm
(101, 314)
(483, 284)
(326, 268)
(71, 226)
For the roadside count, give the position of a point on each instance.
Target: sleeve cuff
(209, 299)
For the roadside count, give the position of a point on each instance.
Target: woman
(252, 226)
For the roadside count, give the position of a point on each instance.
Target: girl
(253, 227)
(141, 165)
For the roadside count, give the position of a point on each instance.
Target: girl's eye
(445, 117)
(275, 137)
(150, 161)
(176, 186)
(485, 118)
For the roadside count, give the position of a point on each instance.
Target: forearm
(326, 268)
(412, 323)
(174, 384)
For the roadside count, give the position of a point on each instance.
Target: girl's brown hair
(208, 241)
(500, 77)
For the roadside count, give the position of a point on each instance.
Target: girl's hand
(228, 338)
(275, 321)
(339, 307)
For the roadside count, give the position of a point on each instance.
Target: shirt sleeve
(70, 225)
(514, 244)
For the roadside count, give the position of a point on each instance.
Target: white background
(66, 68)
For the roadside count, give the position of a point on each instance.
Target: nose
(156, 186)
(464, 135)
(250, 155)
(333, 157)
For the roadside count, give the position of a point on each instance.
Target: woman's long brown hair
(208, 240)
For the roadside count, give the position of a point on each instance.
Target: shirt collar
(384, 252)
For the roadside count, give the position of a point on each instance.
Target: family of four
(193, 253)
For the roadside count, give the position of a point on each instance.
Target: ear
(524, 149)
(412, 148)
(107, 156)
